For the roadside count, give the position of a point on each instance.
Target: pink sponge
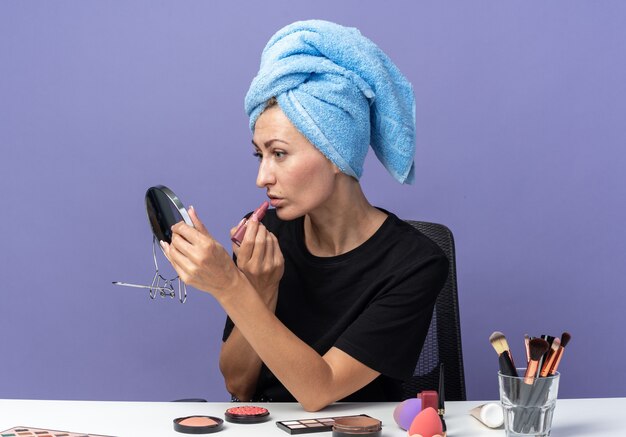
(427, 424)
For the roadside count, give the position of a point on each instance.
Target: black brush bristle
(538, 347)
(565, 338)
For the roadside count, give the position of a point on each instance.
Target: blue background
(520, 151)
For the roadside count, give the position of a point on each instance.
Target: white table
(573, 417)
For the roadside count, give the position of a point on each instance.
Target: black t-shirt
(374, 302)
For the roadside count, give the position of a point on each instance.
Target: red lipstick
(259, 213)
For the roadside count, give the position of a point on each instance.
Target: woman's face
(297, 177)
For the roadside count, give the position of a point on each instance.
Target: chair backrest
(443, 342)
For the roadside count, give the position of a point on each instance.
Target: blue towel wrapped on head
(342, 93)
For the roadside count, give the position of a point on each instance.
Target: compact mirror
(164, 210)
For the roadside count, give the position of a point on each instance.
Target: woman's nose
(265, 176)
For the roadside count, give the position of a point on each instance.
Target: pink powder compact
(198, 424)
(247, 414)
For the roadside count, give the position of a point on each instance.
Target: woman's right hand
(260, 259)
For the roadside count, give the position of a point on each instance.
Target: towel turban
(342, 93)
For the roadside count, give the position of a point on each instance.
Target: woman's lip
(275, 201)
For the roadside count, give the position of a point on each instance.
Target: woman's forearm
(239, 363)
(306, 374)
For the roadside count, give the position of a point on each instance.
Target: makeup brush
(565, 338)
(499, 343)
(538, 391)
(549, 361)
(549, 339)
(537, 347)
(441, 410)
(526, 341)
(442, 396)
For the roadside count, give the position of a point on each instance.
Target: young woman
(329, 298)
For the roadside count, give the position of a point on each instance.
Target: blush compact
(198, 424)
(247, 414)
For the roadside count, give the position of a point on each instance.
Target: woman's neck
(343, 223)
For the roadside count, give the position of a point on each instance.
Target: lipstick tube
(241, 230)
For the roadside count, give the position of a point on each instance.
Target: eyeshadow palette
(305, 426)
(24, 431)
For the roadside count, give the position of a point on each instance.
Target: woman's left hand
(199, 259)
(260, 259)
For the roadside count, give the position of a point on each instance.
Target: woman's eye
(278, 154)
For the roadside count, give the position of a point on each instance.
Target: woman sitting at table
(330, 298)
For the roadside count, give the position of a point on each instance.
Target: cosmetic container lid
(357, 425)
(198, 424)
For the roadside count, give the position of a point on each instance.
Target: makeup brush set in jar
(528, 394)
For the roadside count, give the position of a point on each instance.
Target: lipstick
(241, 230)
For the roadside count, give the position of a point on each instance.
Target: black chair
(443, 342)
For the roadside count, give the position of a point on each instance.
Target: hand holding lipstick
(259, 256)
(257, 215)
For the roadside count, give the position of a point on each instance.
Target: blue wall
(520, 113)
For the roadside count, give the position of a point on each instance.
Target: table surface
(572, 418)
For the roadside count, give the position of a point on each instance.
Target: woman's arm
(347, 375)
(240, 365)
(314, 380)
(260, 259)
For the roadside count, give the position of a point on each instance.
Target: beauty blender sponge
(427, 423)
(406, 411)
